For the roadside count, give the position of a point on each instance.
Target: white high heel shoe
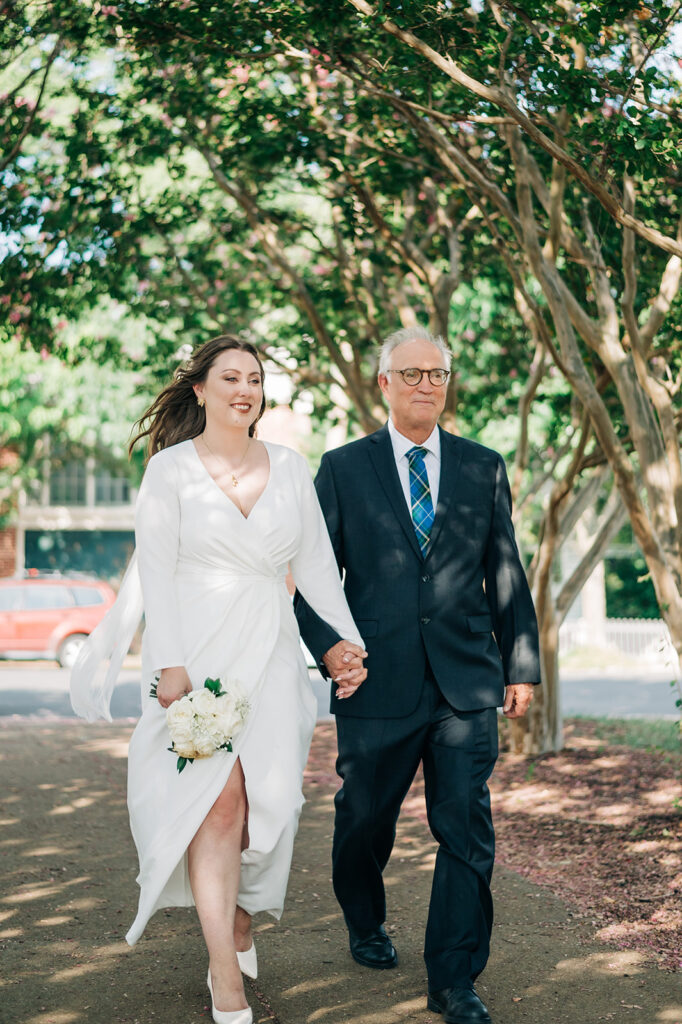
(248, 961)
(228, 1016)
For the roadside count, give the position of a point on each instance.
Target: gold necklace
(232, 472)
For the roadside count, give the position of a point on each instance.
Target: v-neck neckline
(224, 493)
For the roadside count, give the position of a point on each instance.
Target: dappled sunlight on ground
(113, 746)
(69, 894)
(50, 908)
(604, 963)
(602, 829)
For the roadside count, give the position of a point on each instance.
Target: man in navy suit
(421, 525)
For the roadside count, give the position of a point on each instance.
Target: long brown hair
(175, 415)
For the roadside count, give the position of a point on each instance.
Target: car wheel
(69, 648)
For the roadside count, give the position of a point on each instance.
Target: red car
(50, 616)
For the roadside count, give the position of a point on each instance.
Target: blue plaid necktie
(420, 497)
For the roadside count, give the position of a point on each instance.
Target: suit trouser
(378, 759)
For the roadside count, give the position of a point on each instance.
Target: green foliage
(286, 170)
(639, 733)
(629, 590)
(81, 407)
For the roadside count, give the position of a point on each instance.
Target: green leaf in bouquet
(214, 686)
(154, 688)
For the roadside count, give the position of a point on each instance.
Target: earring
(201, 401)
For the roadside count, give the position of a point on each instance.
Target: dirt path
(68, 895)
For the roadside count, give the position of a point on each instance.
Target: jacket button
(424, 620)
(425, 579)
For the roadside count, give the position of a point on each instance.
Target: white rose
(184, 747)
(227, 719)
(179, 711)
(180, 717)
(204, 744)
(203, 702)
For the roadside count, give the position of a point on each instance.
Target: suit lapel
(383, 460)
(450, 459)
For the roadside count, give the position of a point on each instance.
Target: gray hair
(411, 334)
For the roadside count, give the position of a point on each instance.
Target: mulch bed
(600, 825)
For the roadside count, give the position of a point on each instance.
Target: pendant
(235, 482)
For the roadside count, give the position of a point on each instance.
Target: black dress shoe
(372, 949)
(459, 1006)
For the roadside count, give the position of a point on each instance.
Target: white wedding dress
(215, 601)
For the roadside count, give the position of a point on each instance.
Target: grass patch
(641, 733)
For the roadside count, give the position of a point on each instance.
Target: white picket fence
(648, 639)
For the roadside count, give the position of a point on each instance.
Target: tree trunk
(541, 729)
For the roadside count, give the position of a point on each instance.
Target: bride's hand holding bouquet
(203, 721)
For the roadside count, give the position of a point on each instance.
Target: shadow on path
(68, 895)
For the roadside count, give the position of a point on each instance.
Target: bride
(219, 518)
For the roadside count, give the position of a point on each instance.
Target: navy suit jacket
(466, 606)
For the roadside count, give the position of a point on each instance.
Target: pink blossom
(241, 74)
(5, 300)
(14, 316)
(212, 301)
(513, 372)
(108, 9)
(44, 354)
(314, 52)
(61, 324)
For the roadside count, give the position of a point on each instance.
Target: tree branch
(500, 98)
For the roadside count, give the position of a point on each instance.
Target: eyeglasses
(413, 376)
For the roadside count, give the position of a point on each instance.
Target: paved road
(41, 688)
(640, 693)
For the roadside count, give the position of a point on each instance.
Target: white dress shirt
(401, 446)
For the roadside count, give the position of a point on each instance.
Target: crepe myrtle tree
(549, 123)
(321, 171)
(571, 143)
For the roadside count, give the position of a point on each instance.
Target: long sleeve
(315, 570)
(157, 537)
(509, 598)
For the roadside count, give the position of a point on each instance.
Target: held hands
(343, 662)
(173, 684)
(517, 700)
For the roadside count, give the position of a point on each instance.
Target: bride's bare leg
(214, 860)
(242, 930)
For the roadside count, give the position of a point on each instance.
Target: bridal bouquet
(205, 720)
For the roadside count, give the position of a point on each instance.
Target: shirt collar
(402, 444)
